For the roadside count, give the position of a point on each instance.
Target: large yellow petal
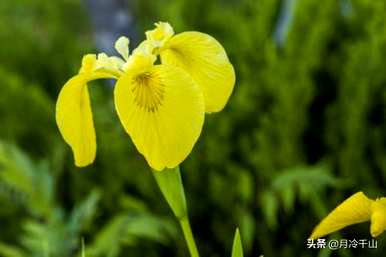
(356, 209)
(74, 117)
(206, 60)
(163, 112)
(378, 217)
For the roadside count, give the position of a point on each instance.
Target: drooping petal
(206, 60)
(162, 111)
(74, 117)
(355, 209)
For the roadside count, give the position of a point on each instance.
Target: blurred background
(304, 129)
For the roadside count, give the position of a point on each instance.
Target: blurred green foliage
(50, 230)
(304, 129)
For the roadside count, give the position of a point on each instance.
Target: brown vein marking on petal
(148, 91)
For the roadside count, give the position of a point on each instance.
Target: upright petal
(205, 59)
(356, 209)
(74, 117)
(122, 47)
(112, 63)
(163, 112)
(161, 34)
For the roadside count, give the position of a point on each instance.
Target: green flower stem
(170, 184)
(185, 225)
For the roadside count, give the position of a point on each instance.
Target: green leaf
(237, 249)
(31, 180)
(270, 208)
(129, 229)
(83, 212)
(83, 248)
(108, 241)
(155, 228)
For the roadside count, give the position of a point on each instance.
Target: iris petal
(353, 210)
(122, 47)
(163, 112)
(205, 59)
(74, 117)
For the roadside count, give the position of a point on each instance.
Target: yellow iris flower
(161, 106)
(356, 209)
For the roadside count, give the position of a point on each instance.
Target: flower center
(148, 91)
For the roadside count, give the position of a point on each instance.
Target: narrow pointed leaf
(237, 249)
